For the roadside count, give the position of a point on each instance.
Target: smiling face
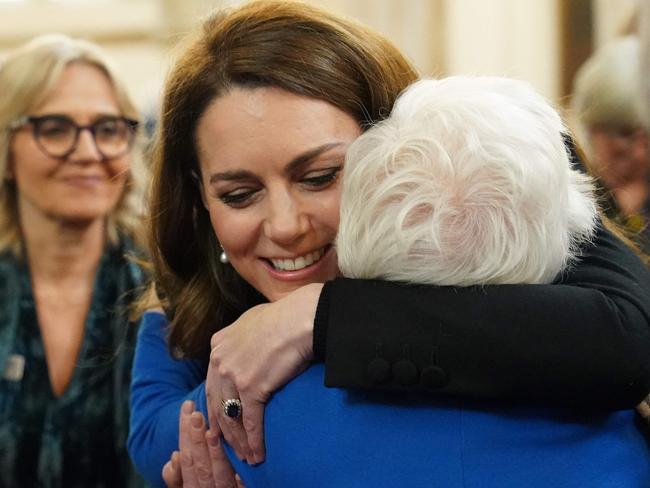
(82, 187)
(270, 162)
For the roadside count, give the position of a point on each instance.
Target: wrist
(310, 298)
(321, 321)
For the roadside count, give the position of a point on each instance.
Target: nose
(286, 221)
(86, 149)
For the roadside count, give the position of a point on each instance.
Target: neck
(63, 251)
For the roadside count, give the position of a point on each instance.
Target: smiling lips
(298, 263)
(83, 180)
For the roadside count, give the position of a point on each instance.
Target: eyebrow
(95, 117)
(294, 164)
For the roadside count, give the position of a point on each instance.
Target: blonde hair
(27, 75)
(467, 182)
(607, 90)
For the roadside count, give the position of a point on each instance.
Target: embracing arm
(159, 386)
(584, 340)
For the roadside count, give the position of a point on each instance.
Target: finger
(187, 471)
(239, 482)
(184, 441)
(233, 430)
(213, 411)
(218, 389)
(222, 471)
(190, 479)
(213, 397)
(234, 433)
(171, 472)
(253, 423)
(199, 451)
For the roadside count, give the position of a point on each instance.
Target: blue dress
(327, 437)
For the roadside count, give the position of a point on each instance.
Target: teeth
(298, 263)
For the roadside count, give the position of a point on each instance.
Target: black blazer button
(405, 372)
(433, 377)
(378, 371)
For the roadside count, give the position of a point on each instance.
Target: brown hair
(288, 45)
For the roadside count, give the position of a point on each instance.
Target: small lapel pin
(15, 368)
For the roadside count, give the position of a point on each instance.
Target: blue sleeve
(159, 385)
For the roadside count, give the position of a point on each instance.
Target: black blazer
(584, 340)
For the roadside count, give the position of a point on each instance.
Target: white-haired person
(610, 116)
(467, 183)
(71, 182)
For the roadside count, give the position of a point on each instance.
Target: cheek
(119, 174)
(329, 212)
(234, 230)
(119, 168)
(27, 175)
(20, 158)
(640, 150)
(607, 147)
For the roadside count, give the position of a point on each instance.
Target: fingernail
(257, 458)
(175, 460)
(188, 407)
(237, 477)
(196, 420)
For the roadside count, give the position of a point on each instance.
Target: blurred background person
(69, 210)
(608, 107)
(644, 75)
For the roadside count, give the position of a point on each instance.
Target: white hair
(467, 182)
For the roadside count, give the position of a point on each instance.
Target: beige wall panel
(612, 18)
(516, 38)
(506, 37)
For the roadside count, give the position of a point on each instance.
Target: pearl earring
(223, 257)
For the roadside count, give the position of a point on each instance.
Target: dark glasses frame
(37, 121)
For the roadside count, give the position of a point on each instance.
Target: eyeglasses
(57, 135)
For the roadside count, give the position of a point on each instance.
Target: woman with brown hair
(71, 184)
(257, 115)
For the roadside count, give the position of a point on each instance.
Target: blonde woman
(609, 110)
(70, 192)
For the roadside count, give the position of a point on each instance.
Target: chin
(81, 218)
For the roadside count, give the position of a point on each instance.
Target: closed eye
(321, 178)
(238, 198)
